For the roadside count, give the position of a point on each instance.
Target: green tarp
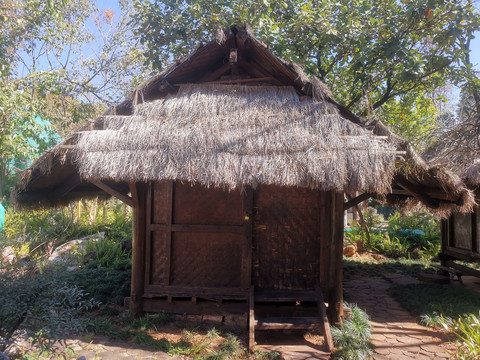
(2, 216)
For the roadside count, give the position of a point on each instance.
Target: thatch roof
(233, 118)
(459, 150)
(236, 135)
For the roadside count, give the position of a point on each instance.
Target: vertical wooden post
(474, 232)
(139, 193)
(168, 231)
(247, 262)
(335, 297)
(444, 237)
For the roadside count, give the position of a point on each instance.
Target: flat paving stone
(395, 334)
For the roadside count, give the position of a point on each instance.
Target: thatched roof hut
(291, 134)
(459, 150)
(236, 164)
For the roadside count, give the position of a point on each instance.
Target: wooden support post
(248, 230)
(327, 335)
(473, 235)
(139, 192)
(444, 236)
(335, 298)
(251, 320)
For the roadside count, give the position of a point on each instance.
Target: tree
(369, 52)
(54, 67)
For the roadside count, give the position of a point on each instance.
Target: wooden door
(286, 238)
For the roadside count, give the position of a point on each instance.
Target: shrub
(43, 230)
(106, 285)
(411, 236)
(42, 306)
(352, 341)
(415, 221)
(467, 330)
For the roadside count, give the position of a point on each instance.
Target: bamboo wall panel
(159, 205)
(158, 259)
(209, 206)
(206, 259)
(463, 230)
(326, 240)
(286, 252)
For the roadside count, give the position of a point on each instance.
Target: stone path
(395, 334)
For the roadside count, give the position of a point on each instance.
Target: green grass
(453, 307)
(424, 299)
(370, 268)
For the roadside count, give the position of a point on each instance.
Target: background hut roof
(271, 124)
(459, 150)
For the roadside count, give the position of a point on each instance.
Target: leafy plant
(107, 253)
(352, 340)
(106, 285)
(415, 221)
(467, 329)
(36, 233)
(43, 306)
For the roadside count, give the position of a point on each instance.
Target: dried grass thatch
(287, 132)
(232, 136)
(459, 150)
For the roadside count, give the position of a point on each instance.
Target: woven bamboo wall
(195, 238)
(287, 236)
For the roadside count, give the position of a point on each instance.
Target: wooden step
(274, 295)
(290, 323)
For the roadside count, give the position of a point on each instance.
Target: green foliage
(43, 230)
(143, 338)
(46, 74)
(352, 341)
(108, 254)
(413, 116)
(399, 240)
(106, 327)
(42, 305)
(438, 305)
(106, 285)
(364, 49)
(147, 322)
(421, 221)
(467, 330)
(368, 268)
(428, 299)
(232, 347)
(267, 355)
